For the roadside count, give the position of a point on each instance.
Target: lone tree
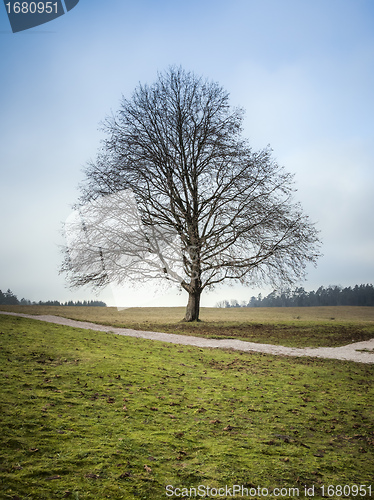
(177, 193)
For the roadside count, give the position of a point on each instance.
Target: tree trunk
(193, 307)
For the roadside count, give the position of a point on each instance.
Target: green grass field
(90, 415)
(293, 327)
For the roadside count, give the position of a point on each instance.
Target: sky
(303, 71)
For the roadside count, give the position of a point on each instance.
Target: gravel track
(351, 352)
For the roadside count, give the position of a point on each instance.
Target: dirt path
(351, 352)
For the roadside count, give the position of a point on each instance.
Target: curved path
(351, 352)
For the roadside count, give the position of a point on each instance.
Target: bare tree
(203, 206)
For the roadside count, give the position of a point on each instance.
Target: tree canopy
(177, 193)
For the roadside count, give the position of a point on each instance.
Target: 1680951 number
(32, 7)
(362, 490)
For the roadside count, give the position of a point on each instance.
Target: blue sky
(303, 71)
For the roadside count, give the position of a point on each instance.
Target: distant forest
(360, 295)
(8, 298)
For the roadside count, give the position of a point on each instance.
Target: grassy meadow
(289, 326)
(92, 415)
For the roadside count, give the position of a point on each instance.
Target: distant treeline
(360, 295)
(8, 298)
